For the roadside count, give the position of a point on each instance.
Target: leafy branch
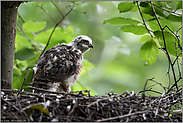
(160, 37)
(165, 49)
(57, 23)
(143, 19)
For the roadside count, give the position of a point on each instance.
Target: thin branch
(21, 17)
(123, 116)
(165, 46)
(41, 6)
(73, 108)
(143, 19)
(23, 20)
(25, 79)
(13, 106)
(99, 100)
(148, 90)
(127, 120)
(25, 35)
(175, 34)
(21, 108)
(143, 94)
(55, 28)
(167, 10)
(168, 73)
(57, 8)
(79, 11)
(176, 59)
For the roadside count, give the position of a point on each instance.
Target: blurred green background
(115, 62)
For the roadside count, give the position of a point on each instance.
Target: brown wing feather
(57, 64)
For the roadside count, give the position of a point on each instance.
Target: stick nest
(80, 106)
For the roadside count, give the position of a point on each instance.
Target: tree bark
(8, 33)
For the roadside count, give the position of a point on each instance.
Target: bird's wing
(58, 63)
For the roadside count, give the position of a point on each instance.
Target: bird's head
(82, 42)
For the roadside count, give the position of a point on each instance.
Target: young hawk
(59, 67)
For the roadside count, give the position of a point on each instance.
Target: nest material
(80, 106)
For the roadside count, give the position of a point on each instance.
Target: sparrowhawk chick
(59, 67)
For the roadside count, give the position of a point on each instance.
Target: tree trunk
(8, 33)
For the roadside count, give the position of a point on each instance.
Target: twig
(41, 6)
(55, 28)
(23, 20)
(79, 11)
(143, 94)
(57, 8)
(167, 10)
(25, 35)
(22, 109)
(143, 19)
(148, 90)
(73, 108)
(165, 47)
(128, 117)
(40, 119)
(123, 116)
(25, 79)
(13, 106)
(99, 101)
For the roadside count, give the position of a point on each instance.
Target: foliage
(139, 28)
(158, 19)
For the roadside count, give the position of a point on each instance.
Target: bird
(59, 67)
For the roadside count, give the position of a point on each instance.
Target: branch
(20, 111)
(168, 10)
(57, 8)
(165, 46)
(41, 6)
(55, 28)
(24, 79)
(123, 116)
(25, 35)
(143, 94)
(143, 19)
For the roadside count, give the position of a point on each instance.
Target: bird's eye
(84, 41)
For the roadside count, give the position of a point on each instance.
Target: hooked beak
(90, 46)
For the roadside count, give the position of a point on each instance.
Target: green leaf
(121, 21)
(147, 9)
(170, 39)
(134, 9)
(164, 22)
(137, 30)
(125, 6)
(148, 52)
(144, 4)
(159, 12)
(147, 16)
(144, 38)
(179, 6)
(21, 42)
(34, 26)
(174, 18)
(39, 107)
(24, 54)
(59, 36)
